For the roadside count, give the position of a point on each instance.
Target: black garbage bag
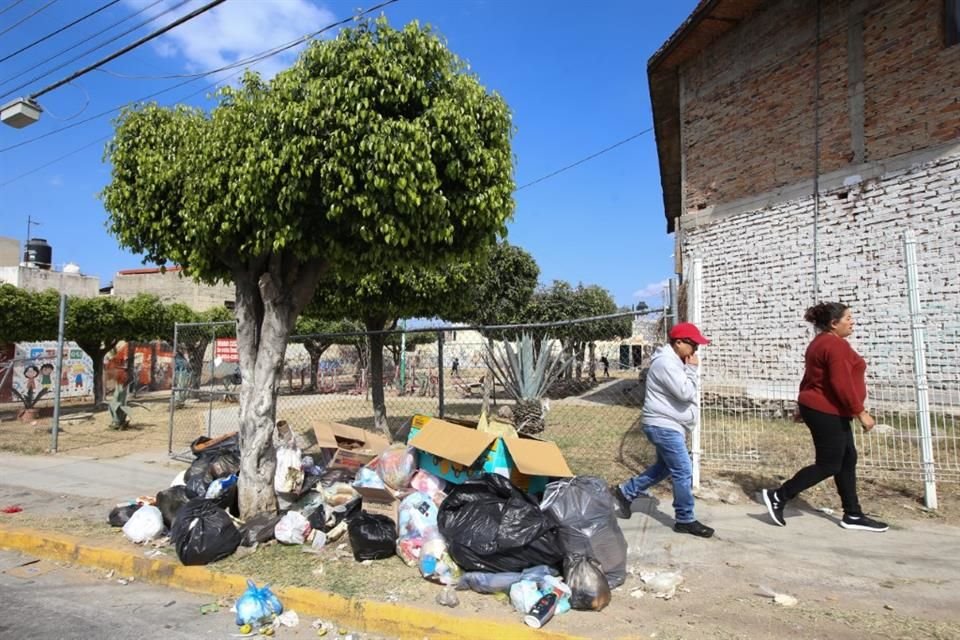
(492, 526)
(583, 508)
(258, 529)
(587, 582)
(318, 519)
(120, 514)
(203, 533)
(218, 462)
(204, 445)
(169, 502)
(345, 512)
(372, 536)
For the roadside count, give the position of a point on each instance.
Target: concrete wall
(172, 287)
(888, 86)
(32, 279)
(9, 252)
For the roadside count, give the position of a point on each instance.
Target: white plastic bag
(293, 528)
(144, 525)
(523, 595)
(289, 476)
(396, 466)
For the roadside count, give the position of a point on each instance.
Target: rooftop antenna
(30, 223)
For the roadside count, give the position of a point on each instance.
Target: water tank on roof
(38, 253)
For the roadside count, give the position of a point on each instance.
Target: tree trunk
(195, 353)
(579, 351)
(376, 377)
(96, 351)
(153, 366)
(593, 361)
(270, 296)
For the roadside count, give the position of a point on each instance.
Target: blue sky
(573, 73)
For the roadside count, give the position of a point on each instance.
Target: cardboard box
(347, 447)
(460, 453)
(380, 501)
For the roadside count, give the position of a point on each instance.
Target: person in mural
(46, 375)
(30, 374)
(832, 393)
(78, 377)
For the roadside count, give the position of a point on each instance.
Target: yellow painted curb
(374, 617)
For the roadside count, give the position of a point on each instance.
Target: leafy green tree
(502, 287)
(317, 335)
(147, 321)
(97, 325)
(27, 315)
(375, 149)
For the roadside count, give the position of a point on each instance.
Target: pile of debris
(470, 505)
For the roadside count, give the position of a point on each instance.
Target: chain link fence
(750, 379)
(592, 412)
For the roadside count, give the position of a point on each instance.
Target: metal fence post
(440, 372)
(173, 389)
(695, 312)
(920, 371)
(55, 430)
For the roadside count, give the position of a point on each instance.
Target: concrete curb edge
(369, 616)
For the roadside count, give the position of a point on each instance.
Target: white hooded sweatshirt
(670, 400)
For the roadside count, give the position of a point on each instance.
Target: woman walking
(832, 393)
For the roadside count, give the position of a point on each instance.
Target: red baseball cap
(687, 331)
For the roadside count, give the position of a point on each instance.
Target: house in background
(170, 285)
(797, 141)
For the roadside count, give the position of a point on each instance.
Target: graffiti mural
(34, 368)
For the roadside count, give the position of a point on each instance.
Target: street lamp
(20, 113)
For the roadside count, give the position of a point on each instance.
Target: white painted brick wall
(758, 278)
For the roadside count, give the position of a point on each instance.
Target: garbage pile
(471, 506)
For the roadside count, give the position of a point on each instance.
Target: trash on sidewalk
(662, 584)
(782, 599)
(120, 514)
(586, 579)
(372, 536)
(15, 508)
(257, 605)
(203, 533)
(292, 528)
(144, 525)
(448, 598)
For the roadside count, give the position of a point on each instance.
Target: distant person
(832, 393)
(669, 412)
(606, 366)
(455, 368)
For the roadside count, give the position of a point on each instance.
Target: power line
(98, 140)
(27, 17)
(256, 58)
(10, 6)
(130, 47)
(58, 31)
(88, 39)
(587, 159)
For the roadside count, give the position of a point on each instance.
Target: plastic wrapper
(523, 595)
(293, 528)
(258, 529)
(220, 486)
(339, 493)
(203, 533)
(587, 523)
(289, 474)
(372, 536)
(588, 584)
(169, 502)
(494, 527)
(369, 479)
(396, 466)
(144, 525)
(426, 482)
(436, 563)
(257, 605)
(416, 522)
(482, 582)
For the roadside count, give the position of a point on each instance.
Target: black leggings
(836, 456)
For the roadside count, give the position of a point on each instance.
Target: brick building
(170, 285)
(797, 140)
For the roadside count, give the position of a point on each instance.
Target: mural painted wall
(33, 368)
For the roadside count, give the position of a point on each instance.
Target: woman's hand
(866, 420)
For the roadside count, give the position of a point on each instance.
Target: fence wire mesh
(750, 380)
(592, 411)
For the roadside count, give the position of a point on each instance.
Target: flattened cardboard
(538, 458)
(455, 443)
(330, 435)
(381, 501)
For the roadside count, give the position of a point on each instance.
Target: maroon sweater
(833, 381)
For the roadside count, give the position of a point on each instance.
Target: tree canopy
(374, 150)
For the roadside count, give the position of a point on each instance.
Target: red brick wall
(747, 101)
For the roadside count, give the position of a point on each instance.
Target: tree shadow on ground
(622, 393)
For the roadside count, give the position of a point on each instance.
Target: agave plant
(526, 373)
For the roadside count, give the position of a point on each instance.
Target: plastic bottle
(541, 612)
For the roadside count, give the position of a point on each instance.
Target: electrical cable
(88, 39)
(27, 17)
(86, 103)
(10, 6)
(354, 17)
(582, 160)
(130, 47)
(256, 58)
(58, 31)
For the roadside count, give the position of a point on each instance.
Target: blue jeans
(673, 461)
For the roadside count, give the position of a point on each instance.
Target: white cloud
(652, 290)
(235, 30)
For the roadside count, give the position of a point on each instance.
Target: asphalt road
(43, 601)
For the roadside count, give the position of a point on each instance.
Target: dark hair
(823, 315)
(28, 367)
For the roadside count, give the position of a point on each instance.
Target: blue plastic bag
(257, 605)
